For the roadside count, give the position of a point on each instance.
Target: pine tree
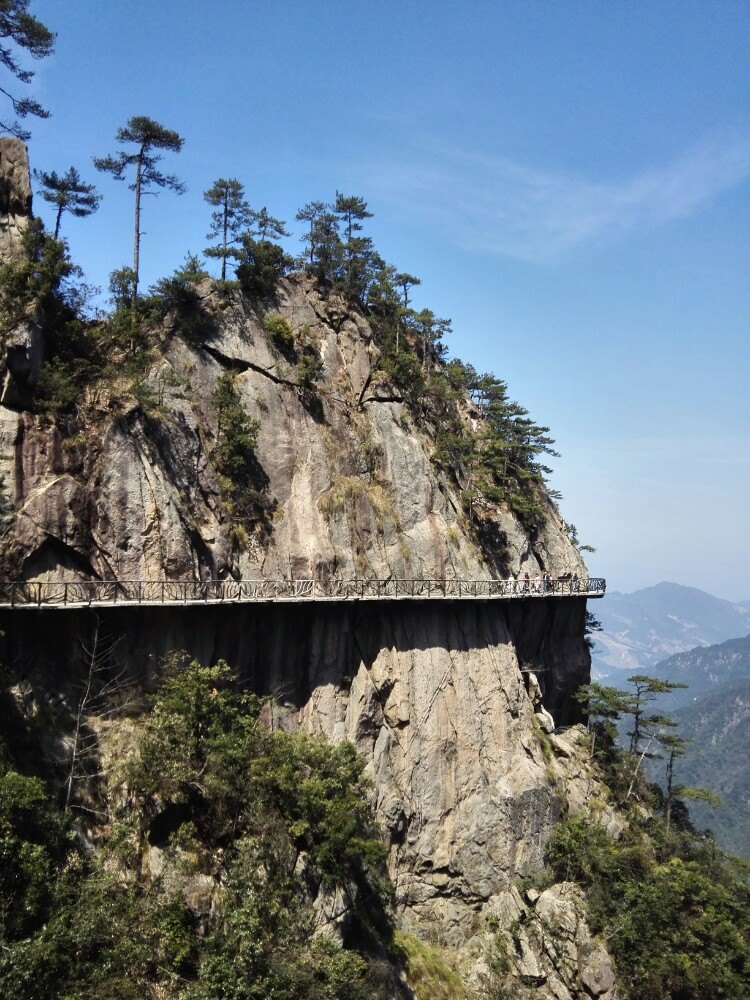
(324, 235)
(68, 193)
(310, 214)
(357, 250)
(267, 227)
(677, 746)
(233, 215)
(647, 690)
(148, 136)
(404, 281)
(21, 29)
(430, 331)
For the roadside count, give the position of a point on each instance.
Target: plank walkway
(156, 593)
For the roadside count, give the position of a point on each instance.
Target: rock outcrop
(438, 697)
(22, 346)
(546, 941)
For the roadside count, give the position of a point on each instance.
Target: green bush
(249, 807)
(280, 334)
(678, 927)
(309, 368)
(405, 371)
(262, 264)
(242, 480)
(31, 844)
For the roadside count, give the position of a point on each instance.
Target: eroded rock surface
(347, 475)
(546, 941)
(22, 344)
(433, 695)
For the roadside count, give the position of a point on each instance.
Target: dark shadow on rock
(288, 650)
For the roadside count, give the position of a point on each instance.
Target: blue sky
(570, 180)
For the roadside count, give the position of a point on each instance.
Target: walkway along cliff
(444, 697)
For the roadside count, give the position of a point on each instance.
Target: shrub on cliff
(281, 335)
(40, 276)
(675, 915)
(242, 480)
(249, 821)
(261, 265)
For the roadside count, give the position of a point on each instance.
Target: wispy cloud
(495, 205)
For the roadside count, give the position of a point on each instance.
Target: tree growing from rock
(21, 30)
(647, 689)
(404, 281)
(310, 214)
(68, 193)
(147, 136)
(357, 250)
(231, 218)
(266, 226)
(325, 236)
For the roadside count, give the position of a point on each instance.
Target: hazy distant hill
(719, 724)
(705, 669)
(714, 712)
(650, 624)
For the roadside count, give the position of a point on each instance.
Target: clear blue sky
(570, 180)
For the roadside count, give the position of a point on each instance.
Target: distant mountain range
(714, 713)
(718, 722)
(644, 627)
(706, 670)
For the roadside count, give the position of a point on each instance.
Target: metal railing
(19, 594)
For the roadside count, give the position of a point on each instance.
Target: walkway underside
(111, 593)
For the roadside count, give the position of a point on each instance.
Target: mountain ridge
(653, 623)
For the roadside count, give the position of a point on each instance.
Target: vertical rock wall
(431, 693)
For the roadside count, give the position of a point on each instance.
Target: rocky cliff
(437, 697)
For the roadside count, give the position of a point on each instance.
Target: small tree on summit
(357, 250)
(405, 282)
(233, 215)
(310, 214)
(23, 30)
(69, 193)
(148, 136)
(266, 226)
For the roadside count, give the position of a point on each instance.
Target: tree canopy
(68, 193)
(19, 29)
(147, 136)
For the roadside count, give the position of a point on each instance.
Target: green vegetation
(68, 193)
(147, 135)
(236, 812)
(241, 479)
(428, 972)
(280, 334)
(674, 912)
(21, 30)
(232, 216)
(673, 909)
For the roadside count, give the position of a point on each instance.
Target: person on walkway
(526, 582)
(538, 583)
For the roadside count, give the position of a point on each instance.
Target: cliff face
(346, 472)
(430, 694)
(22, 350)
(433, 695)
